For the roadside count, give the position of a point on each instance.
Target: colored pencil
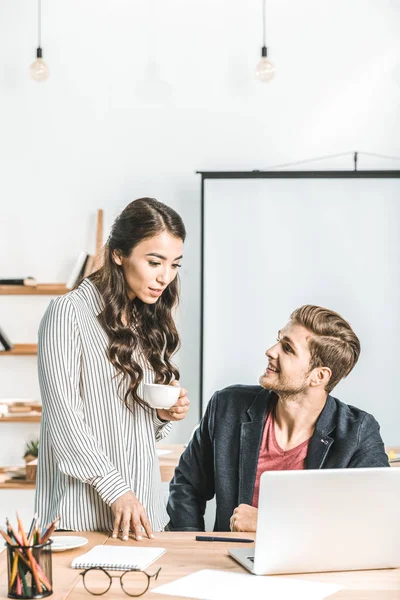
(12, 534)
(9, 541)
(19, 586)
(14, 570)
(49, 531)
(31, 528)
(21, 530)
(23, 580)
(36, 535)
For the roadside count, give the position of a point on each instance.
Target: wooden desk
(169, 461)
(184, 556)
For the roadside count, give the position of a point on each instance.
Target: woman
(98, 467)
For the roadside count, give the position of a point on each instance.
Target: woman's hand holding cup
(170, 401)
(178, 411)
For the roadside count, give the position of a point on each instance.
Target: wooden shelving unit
(43, 289)
(21, 350)
(22, 419)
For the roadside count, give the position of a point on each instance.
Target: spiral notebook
(117, 558)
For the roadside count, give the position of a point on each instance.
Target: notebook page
(117, 557)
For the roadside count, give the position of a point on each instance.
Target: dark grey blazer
(222, 457)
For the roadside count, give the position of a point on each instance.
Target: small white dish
(161, 396)
(67, 542)
(162, 452)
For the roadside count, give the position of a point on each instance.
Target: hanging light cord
(39, 24)
(264, 32)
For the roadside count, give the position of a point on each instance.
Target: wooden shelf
(22, 419)
(21, 350)
(42, 289)
(18, 484)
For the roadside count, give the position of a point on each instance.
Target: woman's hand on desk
(130, 514)
(244, 518)
(178, 411)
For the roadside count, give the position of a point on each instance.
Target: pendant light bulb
(265, 70)
(39, 71)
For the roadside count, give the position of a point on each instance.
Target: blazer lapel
(318, 449)
(321, 441)
(250, 440)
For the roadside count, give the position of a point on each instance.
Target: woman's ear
(117, 257)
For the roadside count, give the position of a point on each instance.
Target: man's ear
(320, 376)
(117, 257)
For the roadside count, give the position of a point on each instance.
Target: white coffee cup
(161, 396)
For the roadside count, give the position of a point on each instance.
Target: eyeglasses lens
(97, 581)
(134, 583)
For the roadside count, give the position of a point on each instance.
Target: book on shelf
(88, 265)
(22, 407)
(5, 343)
(78, 270)
(27, 281)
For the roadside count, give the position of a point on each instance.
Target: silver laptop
(325, 520)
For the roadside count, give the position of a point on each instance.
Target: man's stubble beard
(288, 392)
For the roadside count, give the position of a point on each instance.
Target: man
(290, 422)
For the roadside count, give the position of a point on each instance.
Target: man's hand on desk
(244, 518)
(178, 411)
(130, 514)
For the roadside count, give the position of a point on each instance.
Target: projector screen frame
(354, 174)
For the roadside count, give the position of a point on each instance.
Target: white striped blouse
(92, 448)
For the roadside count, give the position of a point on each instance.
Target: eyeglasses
(97, 581)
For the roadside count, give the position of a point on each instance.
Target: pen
(209, 538)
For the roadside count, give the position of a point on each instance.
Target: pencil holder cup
(29, 571)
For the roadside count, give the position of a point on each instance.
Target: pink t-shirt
(273, 458)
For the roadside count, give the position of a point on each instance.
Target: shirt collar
(91, 295)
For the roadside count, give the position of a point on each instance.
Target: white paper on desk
(214, 585)
(161, 452)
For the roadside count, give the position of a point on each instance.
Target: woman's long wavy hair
(149, 329)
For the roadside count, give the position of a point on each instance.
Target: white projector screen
(272, 245)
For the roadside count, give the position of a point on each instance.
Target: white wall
(144, 93)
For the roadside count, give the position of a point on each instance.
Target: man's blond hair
(332, 344)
